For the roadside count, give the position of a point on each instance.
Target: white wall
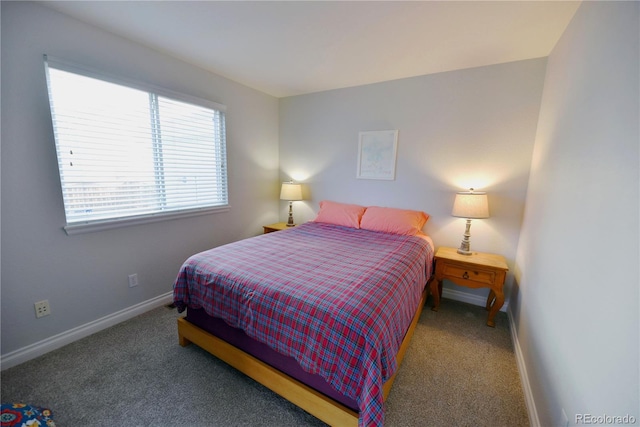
(84, 277)
(576, 309)
(461, 129)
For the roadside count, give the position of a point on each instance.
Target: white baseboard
(52, 343)
(468, 298)
(534, 420)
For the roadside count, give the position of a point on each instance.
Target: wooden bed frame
(301, 395)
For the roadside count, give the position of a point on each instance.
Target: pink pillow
(340, 214)
(392, 220)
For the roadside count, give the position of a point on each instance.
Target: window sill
(93, 226)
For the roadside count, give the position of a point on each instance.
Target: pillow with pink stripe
(392, 220)
(340, 214)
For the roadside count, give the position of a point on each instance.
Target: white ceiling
(286, 48)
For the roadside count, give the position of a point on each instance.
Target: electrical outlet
(133, 280)
(42, 308)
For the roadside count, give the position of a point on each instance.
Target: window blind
(128, 152)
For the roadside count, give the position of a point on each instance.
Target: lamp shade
(291, 191)
(471, 204)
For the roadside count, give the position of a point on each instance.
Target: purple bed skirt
(285, 364)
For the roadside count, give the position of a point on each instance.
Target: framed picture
(377, 154)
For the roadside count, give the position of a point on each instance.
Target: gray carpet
(457, 372)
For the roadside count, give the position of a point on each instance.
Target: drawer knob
(465, 275)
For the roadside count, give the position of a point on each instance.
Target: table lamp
(470, 205)
(290, 192)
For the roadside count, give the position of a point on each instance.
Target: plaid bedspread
(338, 300)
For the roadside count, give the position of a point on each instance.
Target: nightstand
(274, 227)
(478, 270)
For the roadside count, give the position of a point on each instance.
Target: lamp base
(465, 245)
(290, 222)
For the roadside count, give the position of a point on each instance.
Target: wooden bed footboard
(306, 398)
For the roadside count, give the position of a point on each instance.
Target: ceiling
(286, 48)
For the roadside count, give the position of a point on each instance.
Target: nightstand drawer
(474, 275)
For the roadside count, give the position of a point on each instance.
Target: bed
(320, 313)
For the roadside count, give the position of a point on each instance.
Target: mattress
(335, 299)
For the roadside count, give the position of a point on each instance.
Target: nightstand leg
(498, 301)
(436, 291)
(490, 299)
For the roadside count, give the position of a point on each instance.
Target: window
(127, 154)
